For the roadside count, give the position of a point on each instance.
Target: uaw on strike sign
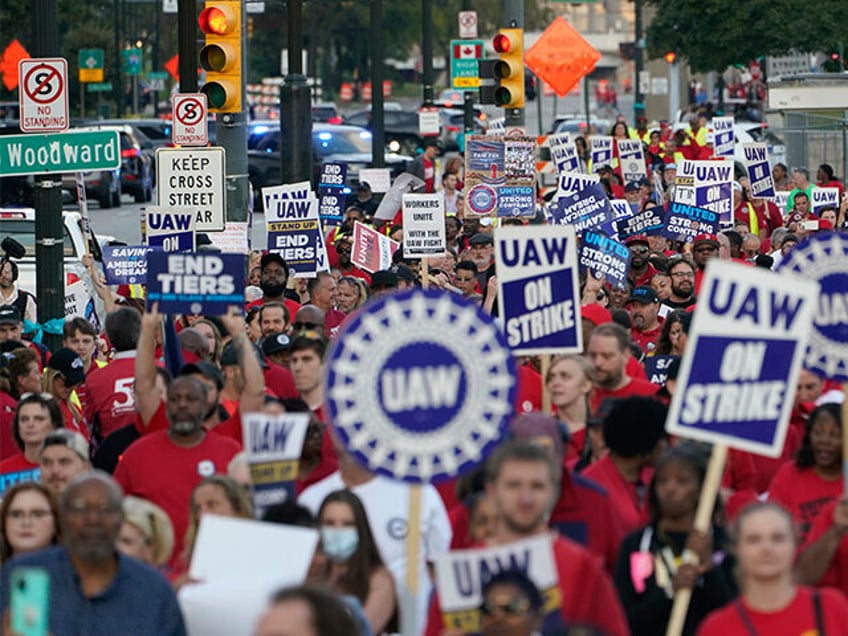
(746, 345)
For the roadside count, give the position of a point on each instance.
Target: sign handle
(545, 366)
(703, 519)
(83, 208)
(409, 607)
(425, 273)
(845, 435)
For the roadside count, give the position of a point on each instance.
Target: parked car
(137, 156)
(344, 144)
(326, 112)
(400, 126)
(576, 123)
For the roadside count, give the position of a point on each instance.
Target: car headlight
(394, 146)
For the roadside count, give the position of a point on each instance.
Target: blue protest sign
(656, 368)
(333, 176)
(538, 291)
(601, 150)
(723, 137)
(649, 221)
(207, 283)
(823, 258)
(126, 264)
(743, 358)
(294, 232)
(564, 152)
(332, 209)
(515, 201)
(604, 256)
(22, 476)
(824, 198)
(589, 208)
(631, 159)
(420, 385)
(483, 154)
(574, 182)
(759, 171)
(684, 222)
(171, 230)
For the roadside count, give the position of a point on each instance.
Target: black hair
(289, 513)
(634, 426)
(804, 457)
(687, 453)
(620, 317)
(303, 342)
(734, 238)
(123, 326)
(329, 616)
(49, 403)
(520, 580)
(468, 266)
(828, 170)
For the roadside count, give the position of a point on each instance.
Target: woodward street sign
(59, 152)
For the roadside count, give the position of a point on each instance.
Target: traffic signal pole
(295, 107)
(49, 235)
(514, 18)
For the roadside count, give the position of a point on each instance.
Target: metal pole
(673, 89)
(467, 96)
(586, 105)
(539, 104)
(378, 133)
(119, 79)
(155, 57)
(427, 50)
(514, 17)
(638, 105)
(187, 45)
(295, 106)
(49, 250)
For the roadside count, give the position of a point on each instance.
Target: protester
(63, 455)
(274, 317)
(63, 374)
(644, 308)
(306, 611)
(29, 520)
(146, 534)
(93, 588)
(569, 382)
(322, 294)
(765, 544)
(512, 604)
(349, 295)
(675, 334)
(36, 415)
(609, 352)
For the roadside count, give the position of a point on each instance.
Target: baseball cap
(712, 239)
(69, 439)
(274, 257)
(362, 186)
(671, 166)
(633, 186)
(206, 369)
(230, 359)
(385, 278)
(405, 273)
(275, 343)
(481, 238)
(69, 364)
(636, 238)
(595, 313)
(644, 294)
(9, 315)
(604, 168)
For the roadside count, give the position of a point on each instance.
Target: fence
(816, 138)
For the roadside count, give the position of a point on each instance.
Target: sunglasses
(639, 250)
(302, 326)
(343, 250)
(515, 607)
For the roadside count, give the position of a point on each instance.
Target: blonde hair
(581, 361)
(154, 524)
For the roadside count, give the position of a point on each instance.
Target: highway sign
(99, 87)
(91, 65)
(561, 56)
(465, 76)
(61, 152)
(132, 61)
(44, 94)
(189, 117)
(192, 179)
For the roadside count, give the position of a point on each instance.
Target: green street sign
(100, 87)
(465, 75)
(60, 152)
(157, 75)
(132, 61)
(91, 65)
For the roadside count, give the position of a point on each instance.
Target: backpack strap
(817, 609)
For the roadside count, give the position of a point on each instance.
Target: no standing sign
(43, 92)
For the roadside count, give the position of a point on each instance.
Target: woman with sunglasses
(512, 605)
(35, 416)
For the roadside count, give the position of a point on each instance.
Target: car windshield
(23, 232)
(323, 113)
(764, 134)
(326, 142)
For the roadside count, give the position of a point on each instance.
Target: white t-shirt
(386, 503)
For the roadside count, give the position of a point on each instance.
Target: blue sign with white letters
(420, 385)
(604, 256)
(650, 222)
(206, 283)
(685, 222)
(759, 171)
(126, 264)
(656, 368)
(588, 209)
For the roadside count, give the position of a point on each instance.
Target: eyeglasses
(515, 607)
(81, 509)
(36, 515)
(683, 275)
(301, 326)
(464, 280)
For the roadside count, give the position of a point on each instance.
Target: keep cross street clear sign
(61, 152)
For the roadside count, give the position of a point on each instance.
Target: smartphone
(811, 225)
(30, 600)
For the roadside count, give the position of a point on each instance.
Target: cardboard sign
(824, 198)
(600, 147)
(723, 137)
(604, 256)
(590, 208)
(126, 264)
(391, 202)
(273, 444)
(708, 185)
(564, 152)
(631, 159)
(294, 229)
(656, 368)
(423, 224)
(781, 200)
(759, 170)
(821, 258)
(235, 239)
(462, 574)
(380, 179)
(650, 221)
(173, 231)
(495, 163)
(685, 222)
(371, 250)
(743, 358)
(538, 290)
(205, 283)
(401, 407)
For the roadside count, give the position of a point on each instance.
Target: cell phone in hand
(29, 601)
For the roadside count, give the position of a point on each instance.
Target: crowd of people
(116, 446)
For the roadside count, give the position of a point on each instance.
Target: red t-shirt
(155, 468)
(624, 497)
(71, 423)
(16, 463)
(528, 393)
(796, 619)
(647, 340)
(836, 574)
(332, 320)
(635, 387)
(804, 493)
(159, 421)
(8, 404)
(355, 272)
(109, 402)
(765, 468)
(280, 382)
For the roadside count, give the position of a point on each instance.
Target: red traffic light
(670, 57)
(216, 20)
(502, 43)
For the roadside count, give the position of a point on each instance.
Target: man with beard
(483, 256)
(344, 247)
(608, 351)
(273, 277)
(64, 454)
(682, 272)
(704, 247)
(641, 270)
(644, 308)
(93, 588)
(165, 466)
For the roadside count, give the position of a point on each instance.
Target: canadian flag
(467, 51)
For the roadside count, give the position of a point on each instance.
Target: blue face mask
(339, 544)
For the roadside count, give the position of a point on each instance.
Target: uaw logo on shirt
(420, 385)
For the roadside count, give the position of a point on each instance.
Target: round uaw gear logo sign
(823, 257)
(420, 385)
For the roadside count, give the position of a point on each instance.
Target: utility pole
(378, 133)
(468, 96)
(638, 104)
(295, 105)
(514, 18)
(49, 241)
(427, 50)
(187, 45)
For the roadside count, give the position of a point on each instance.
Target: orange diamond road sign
(9, 59)
(561, 57)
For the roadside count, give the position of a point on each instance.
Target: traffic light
(220, 57)
(670, 57)
(509, 68)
